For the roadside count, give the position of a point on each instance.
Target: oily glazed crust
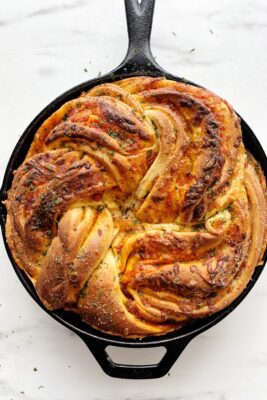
(138, 208)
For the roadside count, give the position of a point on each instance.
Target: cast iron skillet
(138, 61)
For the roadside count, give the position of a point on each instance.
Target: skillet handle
(139, 24)
(124, 371)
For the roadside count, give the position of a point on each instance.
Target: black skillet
(138, 61)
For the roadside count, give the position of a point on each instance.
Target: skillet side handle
(139, 24)
(124, 371)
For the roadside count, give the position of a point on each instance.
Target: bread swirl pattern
(138, 207)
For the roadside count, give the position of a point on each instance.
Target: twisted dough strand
(138, 208)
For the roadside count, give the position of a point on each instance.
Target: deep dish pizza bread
(138, 208)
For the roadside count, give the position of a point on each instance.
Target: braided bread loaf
(138, 208)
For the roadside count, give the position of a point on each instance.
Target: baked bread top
(138, 207)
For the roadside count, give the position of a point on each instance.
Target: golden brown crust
(138, 208)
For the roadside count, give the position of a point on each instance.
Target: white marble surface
(44, 48)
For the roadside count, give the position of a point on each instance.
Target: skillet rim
(84, 330)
